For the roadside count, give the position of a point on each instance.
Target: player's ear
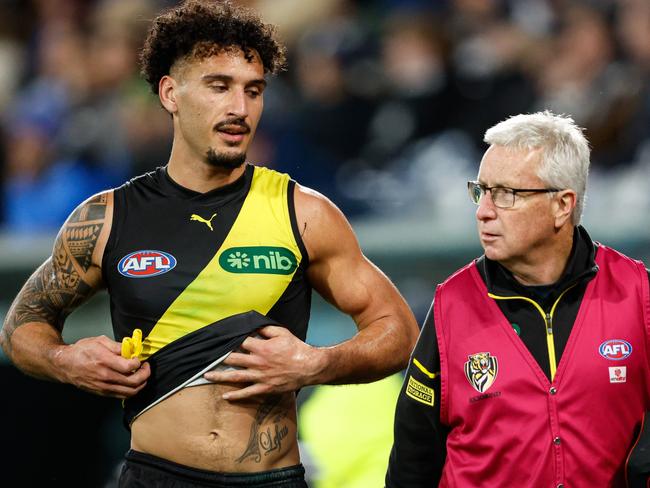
(167, 87)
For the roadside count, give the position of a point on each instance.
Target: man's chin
(493, 253)
(225, 160)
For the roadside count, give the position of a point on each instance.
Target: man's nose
(237, 103)
(486, 209)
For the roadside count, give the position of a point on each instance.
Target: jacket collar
(580, 267)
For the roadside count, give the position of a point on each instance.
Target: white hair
(565, 151)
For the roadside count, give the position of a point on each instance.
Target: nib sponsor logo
(258, 259)
(145, 264)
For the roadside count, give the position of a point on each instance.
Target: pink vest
(510, 426)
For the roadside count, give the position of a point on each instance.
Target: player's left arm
(339, 272)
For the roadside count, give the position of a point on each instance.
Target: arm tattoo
(57, 287)
(274, 409)
(82, 231)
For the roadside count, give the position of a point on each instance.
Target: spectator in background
(40, 185)
(40, 190)
(67, 136)
(633, 30)
(332, 117)
(94, 131)
(487, 51)
(12, 53)
(326, 124)
(582, 77)
(417, 100)
(143, 125)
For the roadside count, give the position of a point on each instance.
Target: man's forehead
(504, 166)
(513, 153)
(213, 54)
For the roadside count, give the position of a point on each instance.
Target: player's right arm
(31, 335)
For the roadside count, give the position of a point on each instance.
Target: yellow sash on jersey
(251, 281)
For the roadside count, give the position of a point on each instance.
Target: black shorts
(146, 471)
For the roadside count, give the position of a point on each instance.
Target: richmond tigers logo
(481, 370)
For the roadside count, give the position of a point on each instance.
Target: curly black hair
(201, 28)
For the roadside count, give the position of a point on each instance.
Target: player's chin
(229, 158)
(234, 150)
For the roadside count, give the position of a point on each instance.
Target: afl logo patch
(615, 349)
(145, 264)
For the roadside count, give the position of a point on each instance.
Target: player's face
(219, 104)
(514, 235)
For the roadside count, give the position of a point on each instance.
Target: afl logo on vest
(615, 349)
(145, 264)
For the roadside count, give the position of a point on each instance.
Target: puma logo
(198, 218)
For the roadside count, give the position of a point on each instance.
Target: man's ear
(167, 93)
(565, 202)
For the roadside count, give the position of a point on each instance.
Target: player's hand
(95, 364)
(278, 363)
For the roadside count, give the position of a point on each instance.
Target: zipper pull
(549, 325)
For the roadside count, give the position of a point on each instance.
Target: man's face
(514, 235)
(219, 104)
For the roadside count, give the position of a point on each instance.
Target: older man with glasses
(532, 367)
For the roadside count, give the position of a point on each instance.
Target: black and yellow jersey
(177, 261)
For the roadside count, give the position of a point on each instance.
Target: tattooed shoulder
(77, 240)
(63, 281)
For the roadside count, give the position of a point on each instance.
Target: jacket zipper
(548, 322)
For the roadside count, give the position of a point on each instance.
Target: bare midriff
(195, 427)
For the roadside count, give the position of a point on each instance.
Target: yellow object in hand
(132, 346)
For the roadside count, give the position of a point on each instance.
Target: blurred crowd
(384, 100)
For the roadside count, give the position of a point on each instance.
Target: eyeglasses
(501, 197)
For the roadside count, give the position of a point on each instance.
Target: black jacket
(419, 448)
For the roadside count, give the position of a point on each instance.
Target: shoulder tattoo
(57, 287)
(78, 237)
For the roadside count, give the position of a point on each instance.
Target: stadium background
(383, 109)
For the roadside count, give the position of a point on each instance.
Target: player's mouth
(233, 131)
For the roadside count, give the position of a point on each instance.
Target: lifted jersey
(177, 260)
